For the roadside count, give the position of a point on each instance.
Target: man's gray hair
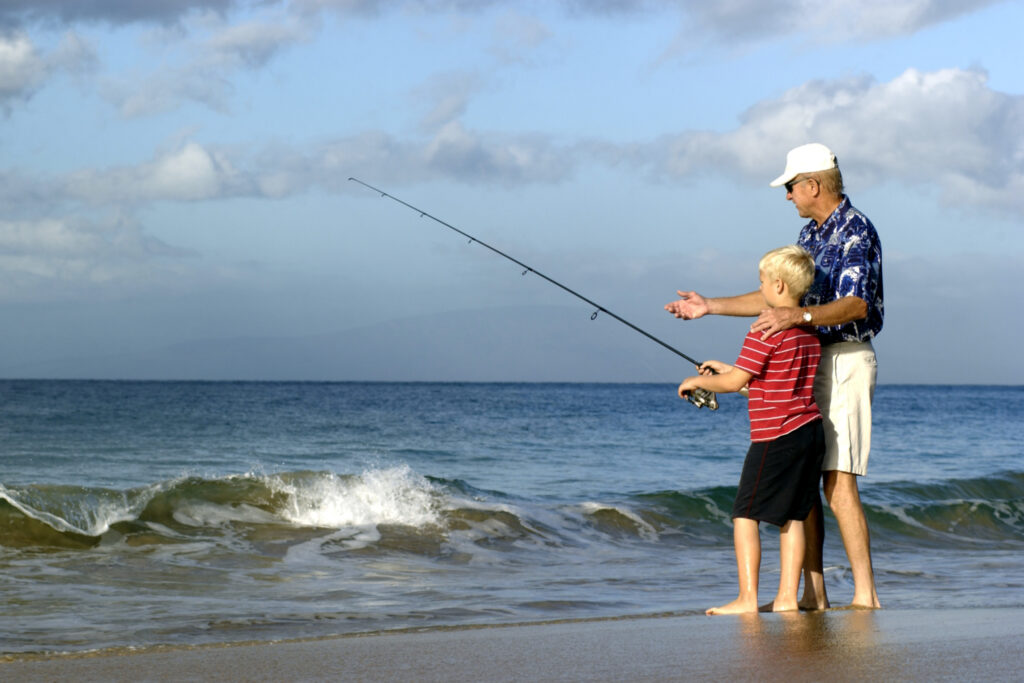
(831, 180)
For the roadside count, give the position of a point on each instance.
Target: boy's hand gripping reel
(703, 397)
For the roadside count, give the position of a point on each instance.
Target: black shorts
(780, 478)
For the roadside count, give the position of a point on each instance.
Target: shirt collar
(834, 218)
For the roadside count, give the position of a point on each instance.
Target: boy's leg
(844, 500)
(747, 541)
(815, 596)
(791, 558)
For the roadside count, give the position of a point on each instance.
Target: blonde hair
(791, 264)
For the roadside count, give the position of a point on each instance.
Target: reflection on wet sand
(835, 645)
(791, 643)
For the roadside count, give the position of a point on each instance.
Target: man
(845, 307)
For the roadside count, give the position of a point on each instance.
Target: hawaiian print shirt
(848, 262)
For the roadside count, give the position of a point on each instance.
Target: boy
(779, 483)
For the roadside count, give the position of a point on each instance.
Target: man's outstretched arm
(692, 305)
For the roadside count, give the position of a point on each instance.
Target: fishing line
(699, 397)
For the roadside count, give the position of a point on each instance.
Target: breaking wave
(963, 513)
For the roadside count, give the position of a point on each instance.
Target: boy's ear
(780, 286)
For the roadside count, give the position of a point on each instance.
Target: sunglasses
(793, 183)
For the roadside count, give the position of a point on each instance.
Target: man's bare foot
(805, 605)
(814, 597)
(871, 602)
(811, 604)
(775, 606)
(737, 606)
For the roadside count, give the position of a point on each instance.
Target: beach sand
(837, 645)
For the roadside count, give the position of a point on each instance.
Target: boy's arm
(730, 381)
(713, 367)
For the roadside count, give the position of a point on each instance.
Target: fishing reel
(703, 397)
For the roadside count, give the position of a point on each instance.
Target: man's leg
(844, 499)
(843, 389)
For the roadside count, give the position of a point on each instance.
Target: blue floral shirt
(848, 262)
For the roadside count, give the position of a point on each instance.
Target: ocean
(139, 514)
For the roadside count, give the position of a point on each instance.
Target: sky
(177, 203)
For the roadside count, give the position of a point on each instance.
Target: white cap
(806, 159)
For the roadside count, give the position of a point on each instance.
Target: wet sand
(837, 645)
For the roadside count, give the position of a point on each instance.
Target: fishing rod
(698, 397)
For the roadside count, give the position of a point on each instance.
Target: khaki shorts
(843, 389)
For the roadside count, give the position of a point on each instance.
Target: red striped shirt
(782, 385)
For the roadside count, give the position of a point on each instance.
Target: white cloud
(190, 173)
(47, 236)
(20, 12)
(24, 69)
(194, 172)
(832, 21)
(156, 93)
(73, 55)
(21, 67)
(253, 44)
(454, 152)
(69, 257)
(732, 19)
(471, 157)
(447, 97)
(883, 18)
(206, 64)
(517, 37)
(946, 128)
(201, 60)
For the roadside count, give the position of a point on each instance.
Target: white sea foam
(88, 514)
(395, 495)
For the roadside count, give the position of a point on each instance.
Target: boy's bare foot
(737, 606)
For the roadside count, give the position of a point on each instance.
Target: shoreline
(130, 650)
(836, 644)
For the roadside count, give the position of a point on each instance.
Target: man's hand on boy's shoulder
(774, 320)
